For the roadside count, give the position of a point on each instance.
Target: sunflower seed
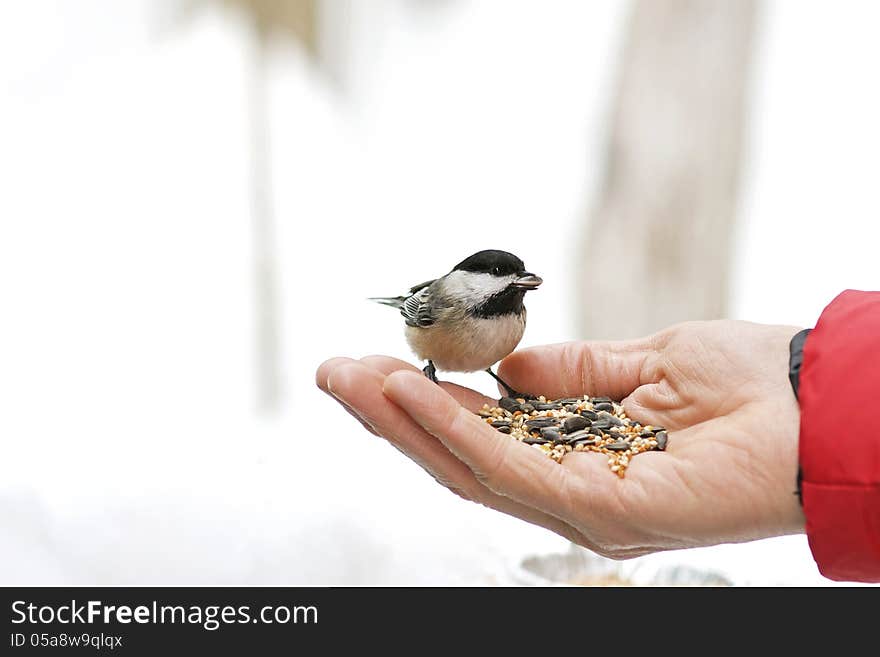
(582, 438)
(576, 435)
(661, 439)
(613, 420)
(540, 423)
(575, 423)
(509, 404)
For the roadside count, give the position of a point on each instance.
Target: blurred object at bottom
(580, 567)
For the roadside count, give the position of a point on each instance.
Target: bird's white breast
(467, 344)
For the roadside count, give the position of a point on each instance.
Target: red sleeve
(839, 396)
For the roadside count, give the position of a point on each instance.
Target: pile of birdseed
(575, 424)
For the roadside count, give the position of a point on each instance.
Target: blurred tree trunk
(289, 19)
(285, 19)
(267, 312)
(658, 247)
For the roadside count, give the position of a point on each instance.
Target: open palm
(721, 388)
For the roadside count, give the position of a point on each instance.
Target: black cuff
(795, 360)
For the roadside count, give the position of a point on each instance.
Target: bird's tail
(394, 302)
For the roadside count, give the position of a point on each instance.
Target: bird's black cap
(491, 261)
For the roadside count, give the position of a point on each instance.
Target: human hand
(720, 388)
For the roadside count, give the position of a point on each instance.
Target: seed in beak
(527, 281)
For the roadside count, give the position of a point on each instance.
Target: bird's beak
(527, 281)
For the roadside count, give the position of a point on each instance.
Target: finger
(470, 399)
(508, 467)
(361, 387)
(572, 369)
(325, 368)
(356, 416)
(386, 364)
(322, 375)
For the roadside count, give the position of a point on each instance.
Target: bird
(470, 318)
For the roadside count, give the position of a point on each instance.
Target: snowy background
(132, 447)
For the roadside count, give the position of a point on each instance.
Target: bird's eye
(496, 271)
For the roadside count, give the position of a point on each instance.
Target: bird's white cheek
(473, 289)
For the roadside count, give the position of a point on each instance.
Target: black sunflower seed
(575, 423)
(661, 439)
(540, 423)
(613, 420)
(576, 435)
(509, 404)
(617, 447)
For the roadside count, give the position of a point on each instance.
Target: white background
(132, 450)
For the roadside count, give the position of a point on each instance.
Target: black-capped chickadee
(471, 318)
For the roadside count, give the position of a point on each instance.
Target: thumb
(572, 369)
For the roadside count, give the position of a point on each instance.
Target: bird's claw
(513, 394)
(430, 371)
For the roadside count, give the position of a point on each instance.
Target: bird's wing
(416, 308)
(421, 286)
